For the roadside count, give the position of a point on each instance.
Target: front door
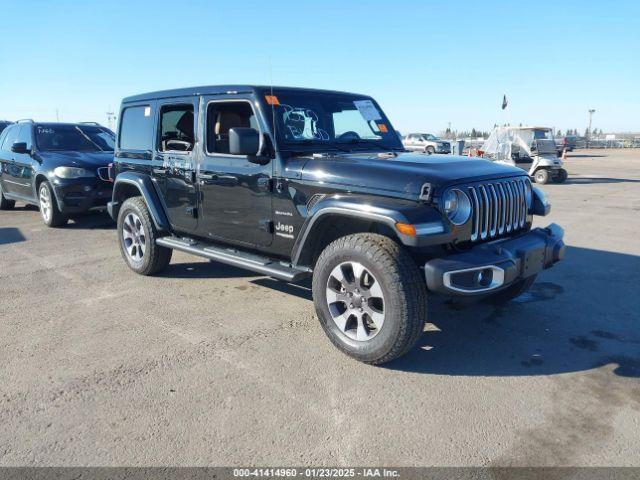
(235, 194)
(174, 166)
(21, 168)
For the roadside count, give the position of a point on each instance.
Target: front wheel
(430, 150)
(370, 297)
(541, 176)
(137, 236)
(51, 214)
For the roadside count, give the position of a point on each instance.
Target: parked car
(427, 143)
(4, 124)
(531, 148)
(60, 167)
(294, 183)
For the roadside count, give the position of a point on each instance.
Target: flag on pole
(504, 102)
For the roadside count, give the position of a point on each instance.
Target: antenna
(57, 115)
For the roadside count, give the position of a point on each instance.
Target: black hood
(88, 160)
(404, 173)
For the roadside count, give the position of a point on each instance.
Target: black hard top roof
(218, 90)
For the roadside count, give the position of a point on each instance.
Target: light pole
(591, 112)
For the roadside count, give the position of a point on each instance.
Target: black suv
(4, 124)
(60, 167)
(296, 182)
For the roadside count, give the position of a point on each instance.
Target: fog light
(87, 188)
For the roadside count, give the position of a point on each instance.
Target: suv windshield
(56, 137)
(327, 120)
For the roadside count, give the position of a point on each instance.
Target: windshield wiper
(321, 143)
(372, 143)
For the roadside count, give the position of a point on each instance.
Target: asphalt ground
(211, 365)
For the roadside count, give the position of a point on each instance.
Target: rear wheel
(541, 176)
(137, 236)
(5, 203)
(560, 176)
(51, 214)
(370, 297)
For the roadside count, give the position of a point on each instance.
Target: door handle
(160, 170)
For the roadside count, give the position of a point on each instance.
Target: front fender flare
(384, 211)
(147, 189)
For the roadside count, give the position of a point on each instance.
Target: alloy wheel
(356, 301)
(45, 202)
(134, 237)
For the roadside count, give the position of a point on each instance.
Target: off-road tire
(5, 203)
(405, 296)
(155, 258)
(430, 150)
(541, 176)
(54, 217)
(511, 292)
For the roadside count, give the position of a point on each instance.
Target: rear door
(174, 166)
(235, 194)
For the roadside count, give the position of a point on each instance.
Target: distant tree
(559, 133)
(586, 132)
(474, 134)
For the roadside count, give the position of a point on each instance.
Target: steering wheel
(349, 135)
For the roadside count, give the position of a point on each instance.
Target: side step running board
(249, 261)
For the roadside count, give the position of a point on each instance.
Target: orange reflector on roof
(406, 229)
(383, 128)
(272, 100)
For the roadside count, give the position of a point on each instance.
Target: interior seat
(224, 122)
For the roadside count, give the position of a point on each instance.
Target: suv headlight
(457, 206)
(73, 172)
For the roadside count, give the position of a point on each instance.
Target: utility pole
(591, 112)
(57, 115)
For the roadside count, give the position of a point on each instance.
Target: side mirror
(244, 141)
(19, 147)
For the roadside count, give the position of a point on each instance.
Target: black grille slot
(498, 207)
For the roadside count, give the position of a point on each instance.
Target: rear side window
(176, 128)
(136, 128)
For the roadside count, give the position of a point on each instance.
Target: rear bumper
(493, 266)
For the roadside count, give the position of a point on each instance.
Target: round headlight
(457, 206)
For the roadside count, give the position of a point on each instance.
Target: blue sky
(427, 63)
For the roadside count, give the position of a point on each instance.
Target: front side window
(9, 136)
(136, 129)
(334, 120)
(176, 128)
(222, 117)
(59, 137)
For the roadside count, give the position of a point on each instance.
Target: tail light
(111, 174)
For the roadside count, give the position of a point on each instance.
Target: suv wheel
(370, 297)
(137, 236)
(5, 203)
(541, 176)
(51, 214)
(430, 150)
(513, 291)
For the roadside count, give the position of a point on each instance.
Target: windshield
(428, 136)
(56, 137)
(330, 120)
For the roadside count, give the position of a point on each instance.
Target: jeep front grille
(498, 207)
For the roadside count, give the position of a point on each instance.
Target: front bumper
(80, 195)
(493, 266)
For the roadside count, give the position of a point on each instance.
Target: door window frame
(205, 113)
(158, 125)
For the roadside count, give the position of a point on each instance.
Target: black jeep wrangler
(294, 182)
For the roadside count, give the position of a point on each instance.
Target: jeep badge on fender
(292, 182)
